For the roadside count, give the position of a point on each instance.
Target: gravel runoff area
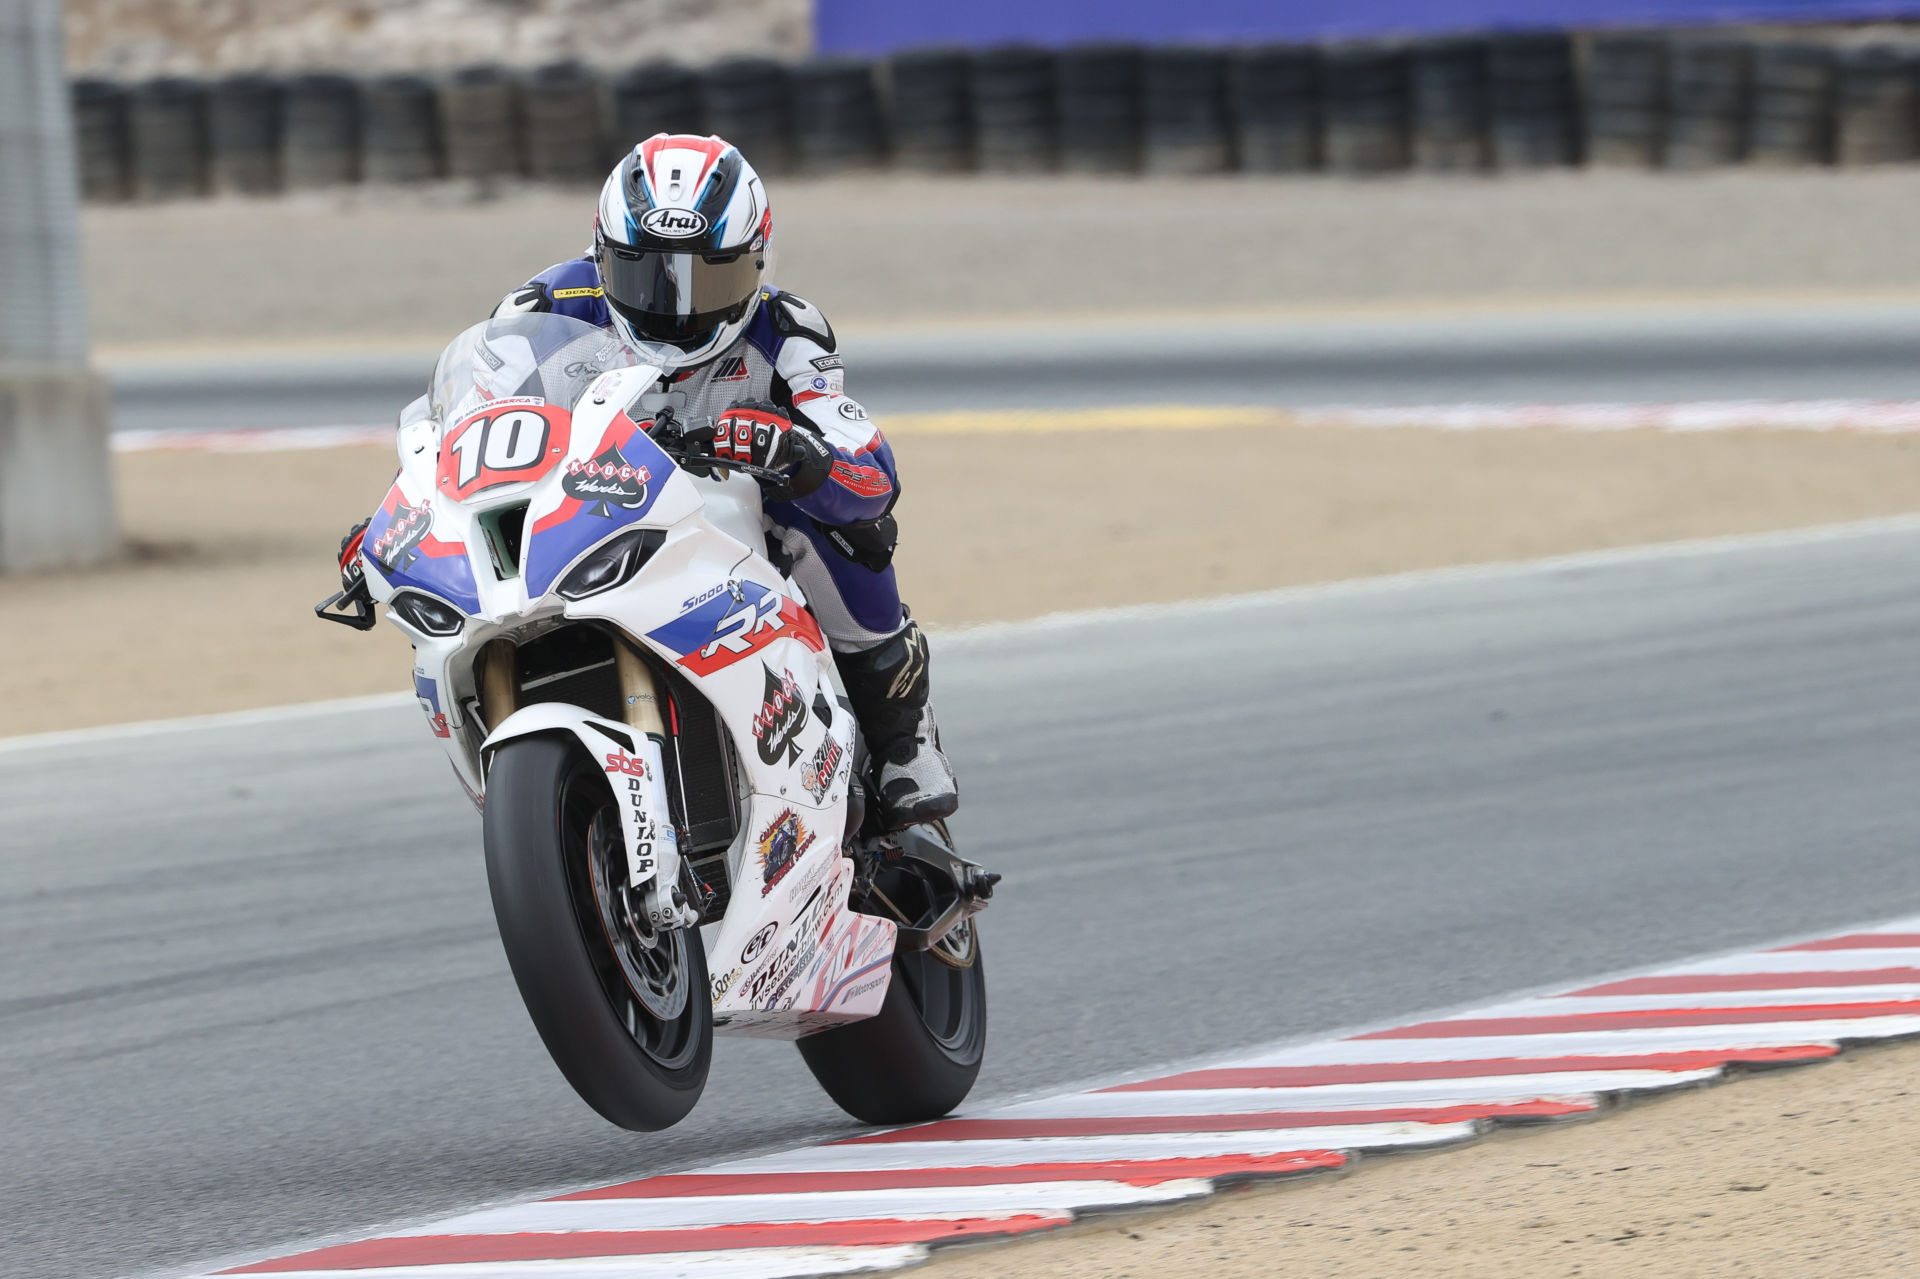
(364, 267)
(1807, 1170)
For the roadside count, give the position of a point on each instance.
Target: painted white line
(987, 634)
(1490, 1090)
(280, 439)
(1091, 1150)
(939, 1203)
(266, 715)
(753, 1263)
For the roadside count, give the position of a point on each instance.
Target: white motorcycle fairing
(507, 515)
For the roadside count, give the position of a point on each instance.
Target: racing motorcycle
(672, 785)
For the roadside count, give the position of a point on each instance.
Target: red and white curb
(880, 1200)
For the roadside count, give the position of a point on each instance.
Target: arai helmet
(680, 243)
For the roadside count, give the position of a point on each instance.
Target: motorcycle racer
(678, 268)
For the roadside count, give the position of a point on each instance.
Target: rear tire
(624, 1011)
(918, 1058)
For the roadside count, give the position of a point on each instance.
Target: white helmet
(680, 242)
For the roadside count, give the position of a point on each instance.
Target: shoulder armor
(798, 318)
(530, 298)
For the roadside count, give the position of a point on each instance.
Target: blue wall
(879, 26)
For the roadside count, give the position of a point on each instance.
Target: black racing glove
(758, 432)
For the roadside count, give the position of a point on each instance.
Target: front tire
(624, 1010)
(918, 1058)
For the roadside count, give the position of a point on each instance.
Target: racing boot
(887, 685)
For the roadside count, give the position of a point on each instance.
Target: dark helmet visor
(673, 296)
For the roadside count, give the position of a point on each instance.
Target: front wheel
(623, 1007)
(917, 1059)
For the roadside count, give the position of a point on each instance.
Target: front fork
(653, 845)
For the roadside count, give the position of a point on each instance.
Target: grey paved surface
(252, 992)
(1803, 352)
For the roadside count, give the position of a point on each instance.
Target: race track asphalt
(1856, 351)
(253, 993)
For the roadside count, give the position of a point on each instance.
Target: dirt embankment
(148, 37)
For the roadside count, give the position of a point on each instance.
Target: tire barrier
(564, 142)
(320, 135)
(750, 103)
(1791, 120)
(658, 97)
(1099, 89)
(930, 97)
(1186, 129)
(480, 123)
(1681, 100)
(1874, 119)
(401, 124)
(1706, 103)
(1530, 102)
(100, 138)
(1447, 86)
(1626, 91)
(836, 117)
(1364, 88)
(1014, 109)
(243, 135)
(167, 129)
(1273, 98)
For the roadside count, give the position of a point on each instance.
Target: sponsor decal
(621, 762)
(674, 224)
(511, 441)
(398, 544)
(818, 384)
(781, 718)
(731, 369)
(780, 845)
(867, 481)
(744, 619)
(852, 993)
(819, 773)
(723, 983)
(582, 368)
(606, 481)
(428, 693)
(583, 292)
(492, 357)
(827, 363)
(757, 944)
(852, 411)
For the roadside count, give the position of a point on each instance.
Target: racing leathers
(836, 541)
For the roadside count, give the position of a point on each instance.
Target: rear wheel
(918, 1058)
(623, 1007)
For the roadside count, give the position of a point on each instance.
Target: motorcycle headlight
(611, 564)
(426, 614)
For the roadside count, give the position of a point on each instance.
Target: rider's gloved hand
(756, 431)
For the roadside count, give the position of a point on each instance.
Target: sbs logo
(674, 224)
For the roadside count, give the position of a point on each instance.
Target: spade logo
(780, 719)
(394, 548)
(607, 481)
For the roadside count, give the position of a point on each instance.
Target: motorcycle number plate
(502, 442)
